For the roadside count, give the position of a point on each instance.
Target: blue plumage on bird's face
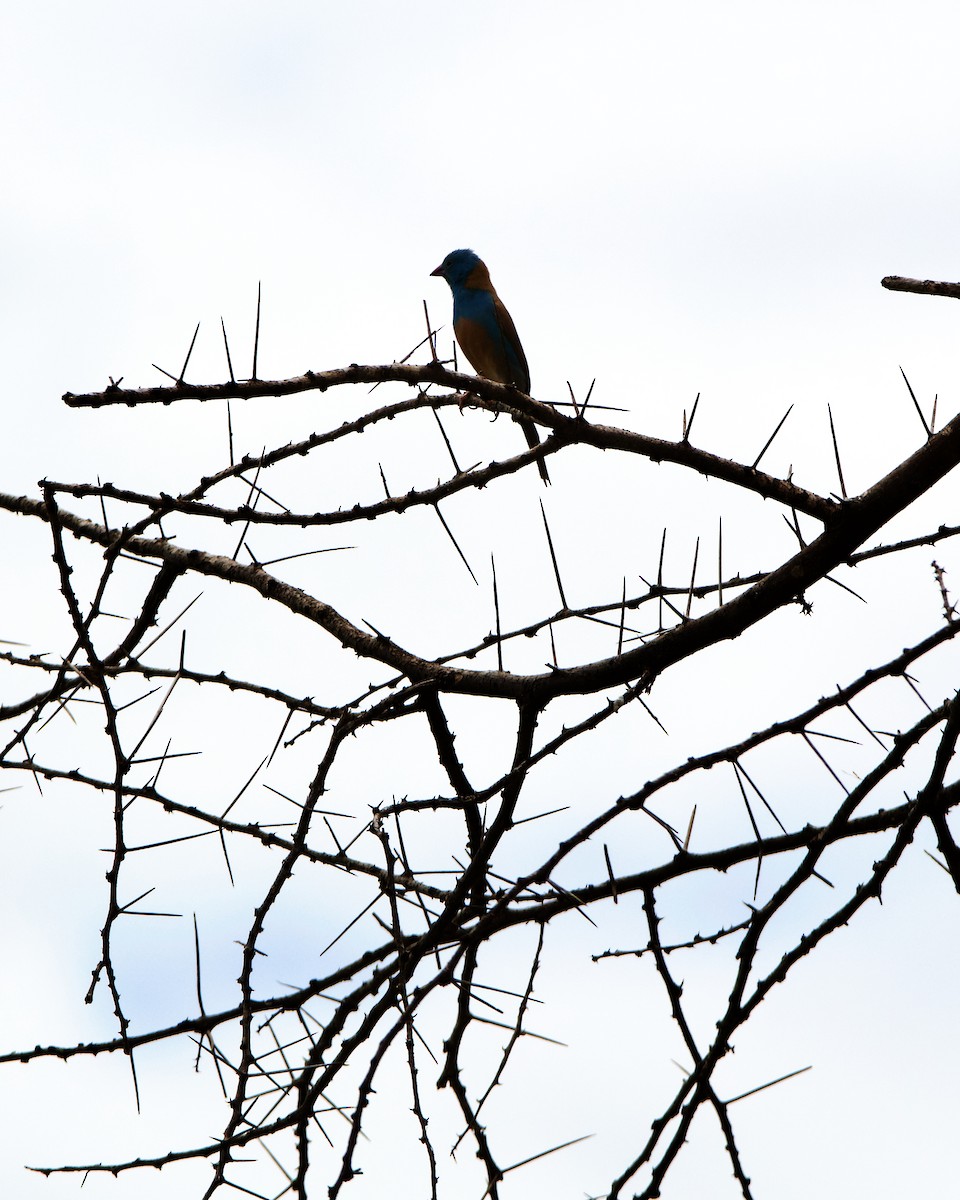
(456, 267)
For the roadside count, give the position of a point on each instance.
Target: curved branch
(857, 520)
(493, 396)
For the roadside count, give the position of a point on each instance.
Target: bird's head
(457, 266)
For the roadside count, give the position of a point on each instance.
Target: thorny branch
(419, 883)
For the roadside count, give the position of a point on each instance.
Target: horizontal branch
(856, 520)
(493, 396)
(683, 864)
(206, 1023)
(544, 908)
(402, 882)
(926, 287)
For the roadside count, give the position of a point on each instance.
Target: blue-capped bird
(486, 332)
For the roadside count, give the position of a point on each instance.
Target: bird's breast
(483, 347)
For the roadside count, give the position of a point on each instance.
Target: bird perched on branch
(486, 332)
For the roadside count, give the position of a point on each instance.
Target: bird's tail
(533, 441)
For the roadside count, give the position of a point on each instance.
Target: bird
(486, 332)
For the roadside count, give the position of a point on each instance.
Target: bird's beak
(438, 271)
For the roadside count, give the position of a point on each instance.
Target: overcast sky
(672, 200)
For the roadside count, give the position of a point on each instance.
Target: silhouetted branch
(412, 818)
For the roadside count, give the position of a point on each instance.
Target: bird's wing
(516, 359)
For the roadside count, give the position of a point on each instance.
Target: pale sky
(672, 200)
